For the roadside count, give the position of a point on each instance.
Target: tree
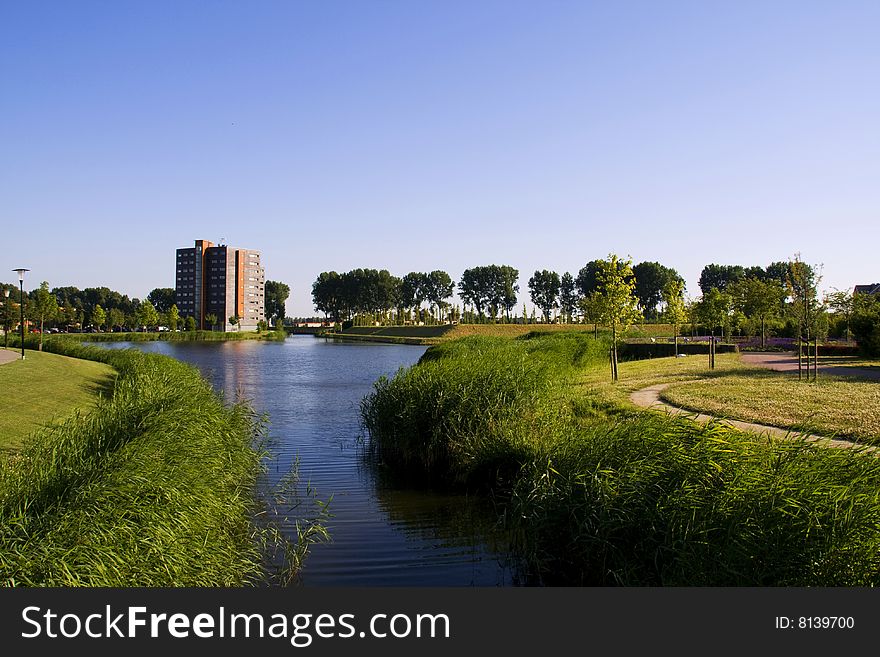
(190, 323)
(591, 309)
(211, 320)
(147, 315)
(675, 312)
(276, 294)
(475, 288)
(651, 279)
(866, 323)
(329, 296)
(99, 317)
(802, 289)
(162, 298)
(234, 320)
(44, 307)
(544, 290)
(714, 309)
(720, 276)
(173, 317)
(439, 287)
(760, 299)
(413, 290)
(508, 288)
(841, 302)
(617, 300)
(568, 296)
(587, 279)
(115, 317)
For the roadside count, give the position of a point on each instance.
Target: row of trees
(103, 308)
(378, 293)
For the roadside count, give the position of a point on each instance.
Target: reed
(596, 494)
(154, 487)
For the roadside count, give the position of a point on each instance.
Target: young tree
(211, 320)
(147, 315)
(591, 309)
(44, 307)
(675, 312)
(802, 289)
(173, 317)
(99, 317)
(544, 290)
(568, 296)
(758, 299)
(190, 323)
(617, 300)
(234, 320)
(714, 310)
(115, 317)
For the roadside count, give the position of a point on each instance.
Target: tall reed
(610, 496)
(154, 487)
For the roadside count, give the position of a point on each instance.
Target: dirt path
(788, 362)
(650, 398)
(7, 356)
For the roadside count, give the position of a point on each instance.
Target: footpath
(7, 356)
(782, 362)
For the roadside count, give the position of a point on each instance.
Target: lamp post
(6, 318)
(20, 271)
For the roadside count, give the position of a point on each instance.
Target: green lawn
(834, 406)
(44, 388)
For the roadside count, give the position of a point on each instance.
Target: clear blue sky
(437, 135)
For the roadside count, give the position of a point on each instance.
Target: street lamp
(20, 271)
(6, 318)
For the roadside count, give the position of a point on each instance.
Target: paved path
(7, 356)
(783, 361)
(650, 398)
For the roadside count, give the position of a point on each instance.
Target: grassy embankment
(433, 335)
(154, 487)
(595, 492)
(45, 387)
(172, 336)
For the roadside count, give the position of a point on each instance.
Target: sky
(414, 136)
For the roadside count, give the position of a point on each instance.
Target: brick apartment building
(220, 280)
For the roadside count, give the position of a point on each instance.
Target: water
(382, 535)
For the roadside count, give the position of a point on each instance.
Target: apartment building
(223, 281)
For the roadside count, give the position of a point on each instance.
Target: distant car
(163, 328)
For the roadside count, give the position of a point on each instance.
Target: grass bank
(154, 487)
(834, 407)
(596, 493)
(172, 336)
(434, 335)
(45, 387)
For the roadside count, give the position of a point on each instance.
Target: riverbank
(434, 335)
(47, 387)
(597, 493)
(154, 487)
(171, 336)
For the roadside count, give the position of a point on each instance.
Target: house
(872, 289)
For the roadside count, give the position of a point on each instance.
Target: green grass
(594, 492)
(832, 407)
(154, 487)
(44, 388)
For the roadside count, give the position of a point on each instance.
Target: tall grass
(632, 498)
(155, 487)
